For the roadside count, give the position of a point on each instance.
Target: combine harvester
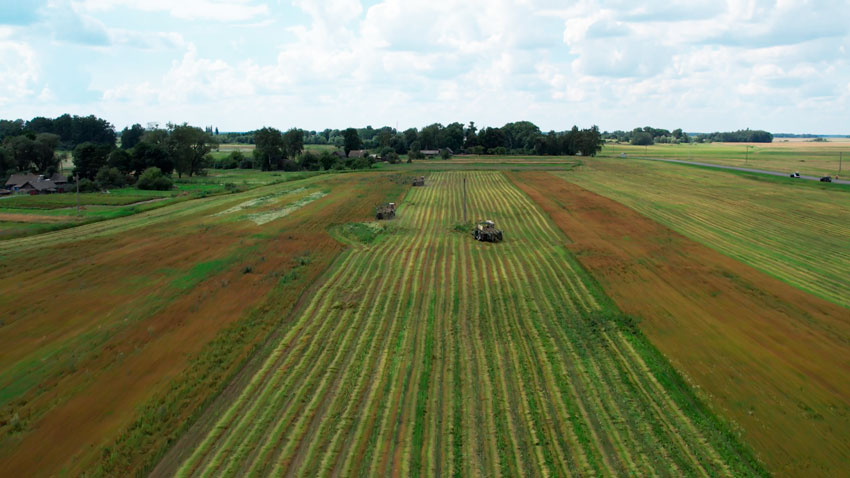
(385, 211)
(486, 231)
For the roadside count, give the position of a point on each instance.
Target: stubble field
(640, 319)
(428, 353)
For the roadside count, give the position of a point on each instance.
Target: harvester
(385, 211)
(486, 231)
(420, 181)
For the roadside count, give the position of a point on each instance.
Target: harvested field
(812, 158)
(424, 352)
(37, 218)
(797, 233)
(771, 357)
(115, 334)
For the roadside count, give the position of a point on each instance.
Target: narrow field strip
(431, 354)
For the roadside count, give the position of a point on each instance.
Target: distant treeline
(71, 130)
(30, 146)
(649, 135)
(810, 136)
(522, 137)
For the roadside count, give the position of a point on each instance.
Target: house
(357, 153)
(433, 153)
(38, 184)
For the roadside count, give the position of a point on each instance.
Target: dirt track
(770, 357)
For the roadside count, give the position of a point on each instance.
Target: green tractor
(486, 231)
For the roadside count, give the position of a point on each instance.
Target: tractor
(420, 181)
(486, 231)
(385, 211)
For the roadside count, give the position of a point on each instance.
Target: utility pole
(464, 199)
(77, 181)
(746, 153)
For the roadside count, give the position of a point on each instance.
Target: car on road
(826, 179)
(795, 175)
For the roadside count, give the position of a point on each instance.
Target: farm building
(433, 153)
(357, 153)
(37, 184)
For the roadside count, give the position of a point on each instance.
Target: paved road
(762, 171)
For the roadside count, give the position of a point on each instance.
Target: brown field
(97, 324)
(764, 354)
(38, 218)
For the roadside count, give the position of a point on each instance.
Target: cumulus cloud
(218, 10)
(70, 26)
(18, 71)
(613, 62)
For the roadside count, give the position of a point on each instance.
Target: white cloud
(698, 64)
(18, 71)
(218, 10)
(71, 26)
(147, 40)
(190, 80)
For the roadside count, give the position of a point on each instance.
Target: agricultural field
(423, 352)
(808, 158)
(796, 232)
(485, 163)
(639, 319)
(115, 334)
(763, 353)
(24, 215)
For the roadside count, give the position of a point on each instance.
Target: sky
(238, 65)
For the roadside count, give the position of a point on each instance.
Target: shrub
(246, 163)
(110, 178)
(152, 178)
(231, 161)
(361, 163)
(327, 160)
(86, 185)
(309, 161)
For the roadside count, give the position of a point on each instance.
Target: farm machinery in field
(485, 231)
(385, 211)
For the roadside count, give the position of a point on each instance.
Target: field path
(428, 353)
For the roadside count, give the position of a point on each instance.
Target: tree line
(522, 137)
(649, 135)
(104, 158)
(30, 146)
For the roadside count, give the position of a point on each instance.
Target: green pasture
(796, 231)
(815, 159)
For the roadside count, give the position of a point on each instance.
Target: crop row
(428, 353)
